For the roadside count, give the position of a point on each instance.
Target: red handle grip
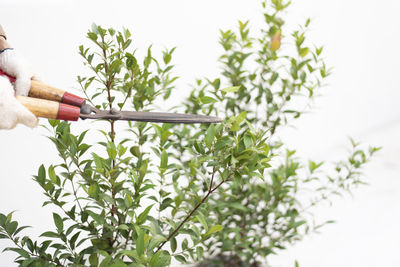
(68, 112)
(50, 109)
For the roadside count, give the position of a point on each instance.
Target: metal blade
(151, 117)
(167, 117)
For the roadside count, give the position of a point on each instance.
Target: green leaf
(231, 89)
(111, 150)
(240, 117)
(167, 55)
(173, 244)
(216, 83)
(140, 244)
(73, 239)
(52, 174)
(210, 135)
(11, 227)
(164, 160)
(116, 66)
(143, 216)
(100, 244)
(238, 120)
(58, 222)
(99, 219)
(160, 259)
(50, 234)
(123, 227)
(318, 51)
(273, 78)
(106, 261)
(207, 100)
(238, 206)
(143, 169)
(202, 220)
(185, 244)
(94, 260)
(248, 142)
(303, 51)
(93, 190)
(180, 258)
(199, 253)
(3, 219)
(293, 71)
(95, 28)
(97, 162)
(9, 217)
(21, 252)
(41, 175)
(44, 246)
(135, 151)
(130, 253)
(214, 229)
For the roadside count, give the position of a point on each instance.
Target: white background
(361, 100)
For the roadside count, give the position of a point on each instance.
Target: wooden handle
(44, 91)
(41, 108)
(50, 109)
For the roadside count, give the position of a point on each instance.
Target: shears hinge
(90, 112)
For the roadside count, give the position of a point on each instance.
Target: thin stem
(126, 98)
(109, 82)
(212, 179)
(32, 254)
(76, 196)
(87, 96)
(210, 191)
(72, 183)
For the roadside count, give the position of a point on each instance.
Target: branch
(210, 191)
(32, 254)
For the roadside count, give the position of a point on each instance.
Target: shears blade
(163, 117)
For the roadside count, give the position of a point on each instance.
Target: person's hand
(13, 64)
(11, 111)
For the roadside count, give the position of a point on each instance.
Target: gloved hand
(11, 111)
(13, 64)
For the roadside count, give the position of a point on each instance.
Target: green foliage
(117, 200)
(142, 194)
(266, 80)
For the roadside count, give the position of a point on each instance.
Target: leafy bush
(112, 196)
(229, 193)
(271, 77)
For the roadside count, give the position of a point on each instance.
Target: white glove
(11, 111)
(13, 64)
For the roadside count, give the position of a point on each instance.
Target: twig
(32, 254)
(210, 191)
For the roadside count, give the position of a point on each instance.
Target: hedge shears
(52, 103)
